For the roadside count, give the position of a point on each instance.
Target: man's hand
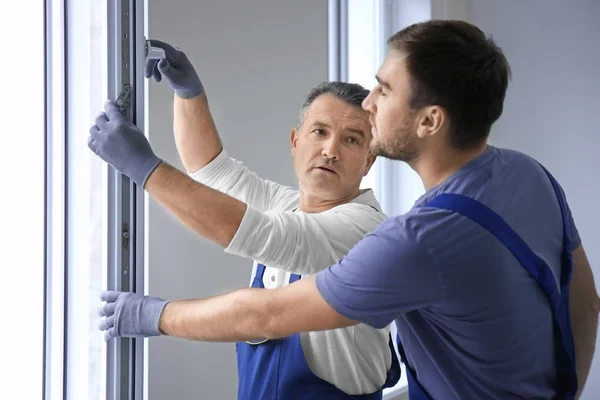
(122, 145)
(177, 70)
(128, 314)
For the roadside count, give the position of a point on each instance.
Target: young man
(485, 277)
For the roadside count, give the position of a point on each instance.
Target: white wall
(553, 102)
(257, 60)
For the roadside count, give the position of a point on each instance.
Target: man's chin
(376, 148)
(325, 188)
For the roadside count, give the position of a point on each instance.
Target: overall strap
(484, 216)
(557, 294)
(260, 271)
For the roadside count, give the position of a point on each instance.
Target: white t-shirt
(288, 241)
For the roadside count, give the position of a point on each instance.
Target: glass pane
(86, 198)
(22, 205)
(362, 54)
(362, 42)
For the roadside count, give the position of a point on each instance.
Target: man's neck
(440, 165)
(316, 204)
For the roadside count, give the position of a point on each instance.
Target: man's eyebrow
(321, 124)
(357, 131)
(383, 83)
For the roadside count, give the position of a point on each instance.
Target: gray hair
(351, 93)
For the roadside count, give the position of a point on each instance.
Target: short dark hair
(351, 93)
(453, 64)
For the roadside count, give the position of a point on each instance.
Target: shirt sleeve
(233, 178)
(385, 275)
(302, 243)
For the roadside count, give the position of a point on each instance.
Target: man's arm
(196, 135)
(251, 314)
(210, 213)
(195, 132)
(383, 276)
(198, 141)
(584, 309)
(295, 242)
(232, 177)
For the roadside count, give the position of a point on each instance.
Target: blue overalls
(566, 375)
(277, 370)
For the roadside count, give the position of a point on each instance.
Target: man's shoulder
(496, 182)
(488, 179)
(347, 223)
(424, 230)
(416, 221)
(364, 202)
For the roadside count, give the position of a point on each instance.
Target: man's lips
(326, 169)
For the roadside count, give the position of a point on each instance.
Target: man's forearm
(210, 213)
(227, 318)
(251, 314)
(196, 135)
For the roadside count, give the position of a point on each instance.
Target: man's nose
(331, 148)
(368, 104)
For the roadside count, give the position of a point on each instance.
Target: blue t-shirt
(473, 322)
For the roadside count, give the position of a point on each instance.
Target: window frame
(125, 363)
(55, 201)
(125, 357)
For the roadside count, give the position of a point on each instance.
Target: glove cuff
(153, 309)
(190, 91)
(146, 170)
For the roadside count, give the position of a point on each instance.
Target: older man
(289, 233)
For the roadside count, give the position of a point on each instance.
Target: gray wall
(553, 102)
(257, 60)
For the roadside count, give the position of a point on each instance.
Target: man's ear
(370, 161)
(294, 136)
(431, 122)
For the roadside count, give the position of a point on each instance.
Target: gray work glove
(122, 145)
(127, 314)
(177, 70)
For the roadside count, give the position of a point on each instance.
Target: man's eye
(353, 140)
(319, 132)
